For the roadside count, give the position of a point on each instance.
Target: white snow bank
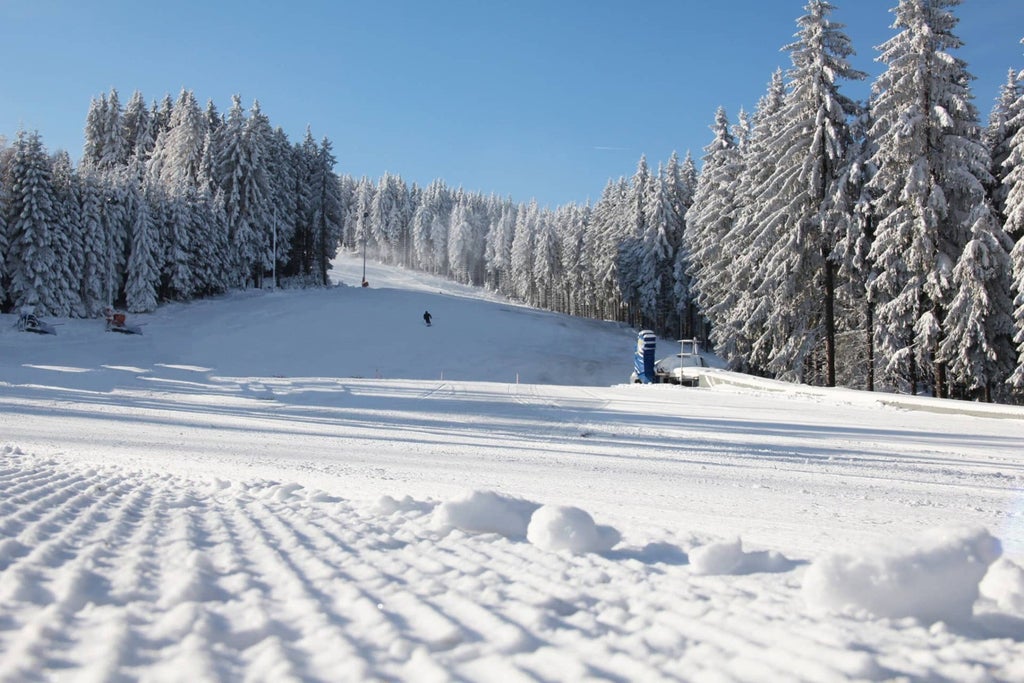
(486, 512)
(1004, 585)
(729, 558)
(557, 527)
(933, 577)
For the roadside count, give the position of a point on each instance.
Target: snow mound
(486, 512)
(550, 527)
(933, 577)
(1004, 585)
(729, 557)
(557, 527)
(387, 505)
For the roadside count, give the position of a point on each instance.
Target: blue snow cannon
(643, 359)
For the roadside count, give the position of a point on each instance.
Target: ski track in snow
(109, 573)
(211, 502)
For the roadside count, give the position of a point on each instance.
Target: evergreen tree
(142, 276)
(1004, 122)
(328, 222)
(177, 159)
(681, 287)
(741, 315)
(978, 346)
(93, 274)
(604, 242)
(809, 149)
(66, 233)
(498, 250)
(709, 221)
(31, 259)
(932, 170)
(137, 124)
(522, 253)
(1013, 182)
(546, 260)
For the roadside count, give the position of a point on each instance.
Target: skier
(426, 317)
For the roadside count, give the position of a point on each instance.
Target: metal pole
(366, 215)
(273, 283)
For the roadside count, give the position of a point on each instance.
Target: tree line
(870, 244)
(168, 202)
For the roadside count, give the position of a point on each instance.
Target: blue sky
(544, 99)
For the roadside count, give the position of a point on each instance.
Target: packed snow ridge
(222, 499)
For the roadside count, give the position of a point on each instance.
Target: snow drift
(934, 577)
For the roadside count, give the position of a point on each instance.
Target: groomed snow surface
(314, 486)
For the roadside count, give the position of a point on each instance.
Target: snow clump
(557, 527)
(729, 558)
(933, 577)
(484, 512)
(1004, 585)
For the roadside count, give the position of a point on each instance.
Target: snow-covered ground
(315, 486)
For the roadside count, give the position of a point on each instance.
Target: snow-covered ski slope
(315, 486)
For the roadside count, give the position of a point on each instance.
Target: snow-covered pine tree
(328, 223)
(498, 251)
(177, 281)
(523, 284)
(547, 268)
(137, 124)
(1013, 182)
(686, 306)
(303, 259)
(631, 243)
(932, 171)
(177, 156)
(95, 136)
(603, 242)
(460, 237)
(161, 115)
(439, 230)
(978, 348)
(31, 259)
(283, 172)
(143, 277)
(809, 149)
(576, 286)
(93, 275)
(212, 254)
(241, 179)
(1003, 123)
(422, 218)
(855, 225)
(657, 254)
(66, 233)
(741, 314)
(709, 221)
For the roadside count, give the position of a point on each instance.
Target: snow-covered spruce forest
(823, 240)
